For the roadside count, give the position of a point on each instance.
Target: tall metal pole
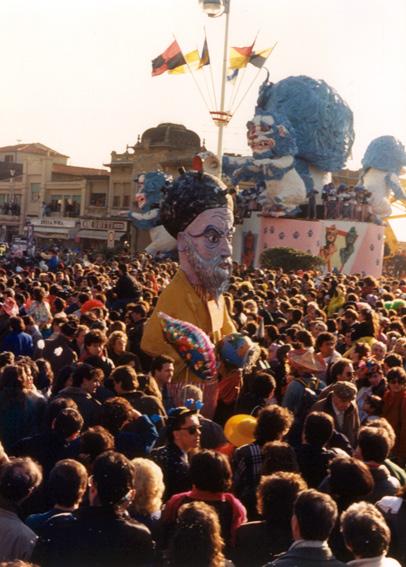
(223, 85)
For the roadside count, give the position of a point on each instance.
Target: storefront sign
(53, 222)
(101, 224)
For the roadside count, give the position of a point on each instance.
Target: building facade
(166, 147)
(73, 206)
(63, 204)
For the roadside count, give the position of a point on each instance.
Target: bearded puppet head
(197, 211)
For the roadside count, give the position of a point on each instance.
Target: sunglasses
(192, 429)
(396, 381)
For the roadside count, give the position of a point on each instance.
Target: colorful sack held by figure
(192, 344)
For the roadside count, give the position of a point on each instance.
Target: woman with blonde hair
(117, 350)
(149, 488)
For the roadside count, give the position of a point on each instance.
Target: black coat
(96, 536)
(313, 463)
(257, 543)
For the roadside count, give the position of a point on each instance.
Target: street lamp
(214, 9)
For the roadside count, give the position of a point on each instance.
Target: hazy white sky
(76, 75)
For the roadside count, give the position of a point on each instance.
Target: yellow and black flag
(258, 58)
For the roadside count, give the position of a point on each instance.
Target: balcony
(10, 210)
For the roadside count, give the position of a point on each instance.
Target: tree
(289, 259)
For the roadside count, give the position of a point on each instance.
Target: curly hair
(273, 424)
(149, 487)
(197, 539)
(276, 495)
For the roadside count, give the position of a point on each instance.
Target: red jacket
(238, 515)
(394, 410)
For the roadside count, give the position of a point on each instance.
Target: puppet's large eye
(212, 236)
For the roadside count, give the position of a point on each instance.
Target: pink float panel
(290, 233)
(352, 247)
(347, 247)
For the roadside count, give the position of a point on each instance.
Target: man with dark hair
(273, 424)
(367, 536)
(183, 435)
(342, 370)
(125, 384)
(54, 443)
(314, 516)
(261, 391)
(162, 368)
(85, 381)
(102, 534)
(18, 479)
(373, 448)
(312, 455)
(94, 352)
(326, 347)
(67, 485)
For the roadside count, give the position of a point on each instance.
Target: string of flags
(173, 61)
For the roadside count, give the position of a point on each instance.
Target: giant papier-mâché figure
(302, 130)
(382, 163)
(146, 215)
(196, 210)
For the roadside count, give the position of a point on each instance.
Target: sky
(77, 74)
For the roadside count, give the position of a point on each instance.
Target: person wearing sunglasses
(183, 436)
(394, 410)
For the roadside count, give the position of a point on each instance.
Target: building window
(116, 201)
(97, 199)
(35, 191)
(126, 201)
(9, 158)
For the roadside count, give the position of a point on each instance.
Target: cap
(346, 391)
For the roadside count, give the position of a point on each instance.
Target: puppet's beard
(214, 274)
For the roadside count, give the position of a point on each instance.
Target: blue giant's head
(147, 199)
(385, 153)
(270, 136)
(322, 122)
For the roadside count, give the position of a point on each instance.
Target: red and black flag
(169, 59)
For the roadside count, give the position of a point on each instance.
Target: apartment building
(61, 202)
(83, 206)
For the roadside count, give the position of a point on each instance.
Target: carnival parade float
(301, 133)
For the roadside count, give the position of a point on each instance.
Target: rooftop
(33, 148)
(77, 170)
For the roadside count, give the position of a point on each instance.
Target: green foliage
(289, 259)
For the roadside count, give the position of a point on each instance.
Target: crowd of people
(299, 459)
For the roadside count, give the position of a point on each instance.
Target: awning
(98, 234)
(54, 235)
